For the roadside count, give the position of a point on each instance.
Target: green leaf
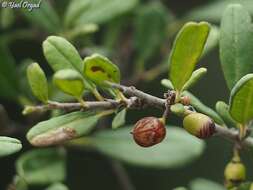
(245, 186)
(186, 51)
(57, 186)
(61, 54)
(20, 183)
(44, 17)
(236, 41)
(177, 150)
(8, 82)
(75, 9)
(223, 110)
(43, 166)
(119, 119)
(212, 40)
(241, 100)
(100, 12)
(180, 188)
(199, 106)
(167, 83)
(99, 69)
(200, 184)
(195, 77)
(150, 29)
(70, 82)
(62, 128)
(38, 82)
(213, 11)
(9, 146)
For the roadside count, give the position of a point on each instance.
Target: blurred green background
(116, 37)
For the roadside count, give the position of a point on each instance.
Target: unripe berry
(199, 125)
(235, 173)
(149, 131)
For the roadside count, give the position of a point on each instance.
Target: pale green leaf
(203, 184)
(119, 119)
(42, 166)
(195, 77)
(186, 51)
(9, 146)
(57, 186)
(236, 43)
(167, 83)
(70, 82)
(99, 69)
(177, 150)
(241, 100)
(62, 128)
(38, 82)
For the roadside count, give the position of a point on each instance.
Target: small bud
(149, 131)
(199, 125)
(185, 100)
(235, 173)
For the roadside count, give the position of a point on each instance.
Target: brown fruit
(149, 131)
(185, 100)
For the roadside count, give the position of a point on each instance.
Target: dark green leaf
(119, 119)
(101, 12)
(150, 29)
(8, 82)
(195, 77)
(44, 16)
(43, 166)
(61, 54)
(241, 100)
(223, 110)
(213, 11)
(236, 41)
(9, 146)
(203, 184)
(186, 51)
(99, 69)
(38, 82)
(245, 186)
(199, 106)
(70, 82)
(57, 186)
(7, 18)
(178, 148)
(62, 128)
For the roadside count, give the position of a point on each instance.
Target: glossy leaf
(200, 184)
(178, 148)
(223, 110)
(62, 128)
(100, 12)
(57, 186)
(99, 69)
(186, 51)
(236, 39)
(213, 11)
(119, 119)
(150, 29)
(195, 77)
(9, 146)
(70, 82)
(38, 82)
(241, 100)
(61, 54)
(8, 82)
(44, 17)
(199, 106)
(43, 166)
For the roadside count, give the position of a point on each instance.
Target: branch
(138, 99)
